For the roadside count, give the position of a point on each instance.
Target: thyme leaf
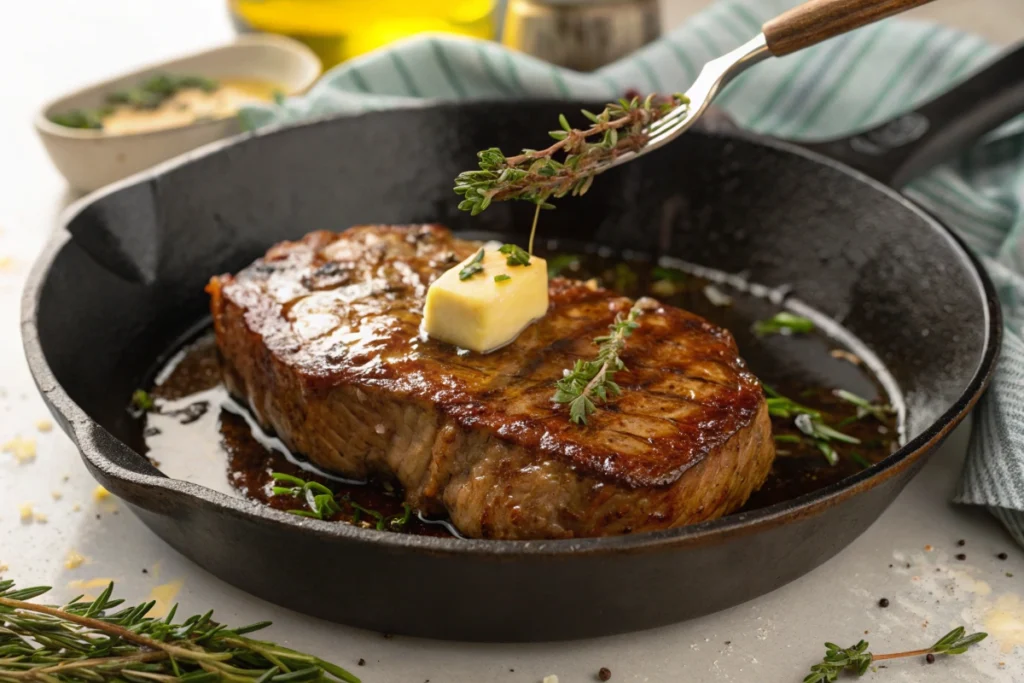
(517, 256)
(474, 266)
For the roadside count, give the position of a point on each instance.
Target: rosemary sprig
(857, 659)
(535, 175)
(783, 323)
(590, 381)
(89, 642)
(322, 503)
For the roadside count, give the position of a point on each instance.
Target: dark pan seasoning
(198, 432)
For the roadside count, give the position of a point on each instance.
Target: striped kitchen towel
(845, 84)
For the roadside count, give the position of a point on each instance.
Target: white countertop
(50, 47)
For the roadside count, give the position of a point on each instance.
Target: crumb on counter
(44, 426)
(40, 518)
(100, 493)
(551, 679)
(74, 560)
(25, 512)
(56, 495)
(23, 450)
(76, 508)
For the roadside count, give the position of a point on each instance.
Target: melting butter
(490, 308)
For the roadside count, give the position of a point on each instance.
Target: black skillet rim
(81, 426)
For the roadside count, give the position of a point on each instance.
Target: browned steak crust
(321, 337)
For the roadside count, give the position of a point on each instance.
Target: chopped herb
(784, 323)
(807, 420)
(860, 459)
(562, 262)
(473, 267)
(517, 256)
(865, 407)
(142, 401)
(788, 438)
(591, 381)
(857, 659)
(149, 94)
(624, 278)
(670, 274)
(667, 281)
(321, 503)
(502, 277)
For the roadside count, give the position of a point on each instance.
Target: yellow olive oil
(340, 29)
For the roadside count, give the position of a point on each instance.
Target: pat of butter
(481, 314)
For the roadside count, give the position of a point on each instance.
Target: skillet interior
(104, 304)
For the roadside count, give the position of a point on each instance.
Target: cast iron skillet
(113, 291)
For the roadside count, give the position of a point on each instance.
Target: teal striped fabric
(840, 86)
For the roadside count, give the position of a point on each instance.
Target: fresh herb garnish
(87, 641)
(879, 411)
(142, 401)
(822, 435)
(807, 420)
(535, 175)
(783, 323)
(502, 277)
(322, 503)
(473, 267)
(857, 659)
(591, 381)
(149, 94)
(517, 256)
(558, 264)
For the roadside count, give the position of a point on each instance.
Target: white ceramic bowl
(90, 159)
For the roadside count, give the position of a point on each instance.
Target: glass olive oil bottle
(340, 29)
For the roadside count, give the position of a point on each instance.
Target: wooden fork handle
(818, 20)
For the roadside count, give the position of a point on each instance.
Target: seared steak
(321, 337)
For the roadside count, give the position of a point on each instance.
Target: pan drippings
(199, 433)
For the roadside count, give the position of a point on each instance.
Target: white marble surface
(50, 46)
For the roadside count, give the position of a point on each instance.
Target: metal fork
(800, 27)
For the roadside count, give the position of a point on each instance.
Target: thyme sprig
(474, 266)
(92, 642)
(591, 381)
(322, 503)
(857, 659)
(536, 176)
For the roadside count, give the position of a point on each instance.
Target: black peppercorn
(961, 542)
(884, 602)
(605, 674)
(1002, 556)
(362, 662)
(961, 557)
(930, 658)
